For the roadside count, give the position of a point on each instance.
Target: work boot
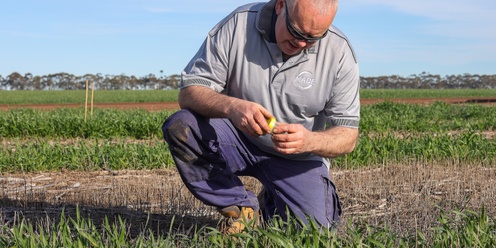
(235, 219)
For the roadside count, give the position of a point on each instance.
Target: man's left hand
(290, 138)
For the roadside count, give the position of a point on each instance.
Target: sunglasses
(295, 33)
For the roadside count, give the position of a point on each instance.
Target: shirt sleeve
(209, 66)
(344, 107)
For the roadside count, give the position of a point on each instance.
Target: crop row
(465, 147)
(437, 117)
(70, 123)
(140, 124)
(466, 229)
(45, 155)
(79, 96)
(49, 155)
(132, 139)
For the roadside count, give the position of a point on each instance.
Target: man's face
(301, 27)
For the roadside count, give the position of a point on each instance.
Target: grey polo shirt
(319, 86)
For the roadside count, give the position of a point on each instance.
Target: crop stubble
(406, 196)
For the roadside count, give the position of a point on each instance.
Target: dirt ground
(405, 196)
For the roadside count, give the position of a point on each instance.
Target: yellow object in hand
(271, 122)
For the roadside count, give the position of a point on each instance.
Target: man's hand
(330, 143)
(250, 117)
(247, 116)
(290, 138)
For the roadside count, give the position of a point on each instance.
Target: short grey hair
(321, 5)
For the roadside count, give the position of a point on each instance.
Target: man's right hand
(249, 117)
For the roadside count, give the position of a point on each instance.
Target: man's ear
(279, 6)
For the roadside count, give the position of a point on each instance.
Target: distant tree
(2, 82)
(173, 81)
(36, 83)
(16, 81)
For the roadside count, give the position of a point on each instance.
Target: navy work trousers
(210, 154)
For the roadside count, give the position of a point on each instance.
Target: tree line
(66, 81)
(430, 81)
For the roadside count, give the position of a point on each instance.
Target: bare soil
(159, 106)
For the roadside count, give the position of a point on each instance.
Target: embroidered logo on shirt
(305, 80)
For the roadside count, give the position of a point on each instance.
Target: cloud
(458, 10)
(447, 18)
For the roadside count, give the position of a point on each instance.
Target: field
(422, 175)
(166, 99)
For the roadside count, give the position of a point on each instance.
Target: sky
(141, 37)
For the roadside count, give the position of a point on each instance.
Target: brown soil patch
(159, 106)
(478, 100)
(406, 197)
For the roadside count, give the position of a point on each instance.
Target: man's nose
(302, 43)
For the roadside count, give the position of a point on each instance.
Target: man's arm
(333, 142)
(205, 101)
(248, 116)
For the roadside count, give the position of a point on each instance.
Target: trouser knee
(196, 159)
(176, 127)
(177, 133)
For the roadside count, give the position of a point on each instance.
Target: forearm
(247, 116)
(205, 101)
(333, 142)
